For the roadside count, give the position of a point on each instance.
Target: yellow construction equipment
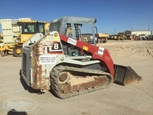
(1, 38)
(102, 38)
(121, 36)
(17, 31)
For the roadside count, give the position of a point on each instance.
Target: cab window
(41, 28)
(29, 28)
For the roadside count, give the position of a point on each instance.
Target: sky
(112, 16)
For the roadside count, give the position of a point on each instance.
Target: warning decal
(100, 50)
(47, 59)
(72, 41)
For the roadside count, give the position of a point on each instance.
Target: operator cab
(32, 27)
(28, 29)
(81, 28)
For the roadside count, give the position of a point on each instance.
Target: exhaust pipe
(125, 75)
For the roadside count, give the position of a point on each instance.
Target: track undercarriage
(71, 81)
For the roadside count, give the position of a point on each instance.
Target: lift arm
(99, 53)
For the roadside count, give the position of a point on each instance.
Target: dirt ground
(134, 99)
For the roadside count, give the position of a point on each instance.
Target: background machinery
(16, 31)
(120, 36)
(140, 37)
(68, 65)
(102, 38)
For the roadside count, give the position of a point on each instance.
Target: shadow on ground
(14, 112)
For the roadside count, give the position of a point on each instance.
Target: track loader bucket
(125, 75)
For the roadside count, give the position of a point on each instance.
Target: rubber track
(60, 68)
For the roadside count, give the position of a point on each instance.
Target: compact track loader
(70, 66)
(45, 65)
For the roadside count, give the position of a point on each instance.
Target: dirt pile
(131, 49)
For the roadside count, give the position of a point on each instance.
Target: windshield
(84, 32)
(28, 28)
(32, 28)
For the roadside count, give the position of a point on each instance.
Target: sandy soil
(116, 100)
